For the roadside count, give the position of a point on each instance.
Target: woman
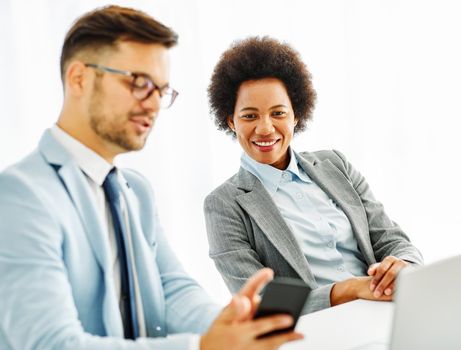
(306, 215)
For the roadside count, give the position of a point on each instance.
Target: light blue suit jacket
(56, 278)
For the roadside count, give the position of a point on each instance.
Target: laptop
(427, 312)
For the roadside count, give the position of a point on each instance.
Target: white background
(387, 74)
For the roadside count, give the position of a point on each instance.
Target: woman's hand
(384, 275)
(353, 289)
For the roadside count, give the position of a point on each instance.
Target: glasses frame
(165, 90)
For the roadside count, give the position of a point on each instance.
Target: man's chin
(125, 146)
(134, 147)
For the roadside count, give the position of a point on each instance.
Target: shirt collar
(272, 177)
(297, 169)
(91, 163)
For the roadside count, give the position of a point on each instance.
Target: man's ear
(230, 122)
(75, 78)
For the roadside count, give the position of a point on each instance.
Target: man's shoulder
(29, 172)
(29, 186)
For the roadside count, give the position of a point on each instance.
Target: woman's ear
(230, 122)
(296, 121)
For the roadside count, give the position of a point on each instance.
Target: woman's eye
(248, 116)
(278, 113)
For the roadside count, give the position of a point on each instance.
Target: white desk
(345, 326)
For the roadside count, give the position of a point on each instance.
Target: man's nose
(152, 103)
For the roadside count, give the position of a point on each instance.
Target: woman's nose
(264, 126)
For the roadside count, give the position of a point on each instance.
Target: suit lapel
(79, 191)
(83, 200)
(151, 293)
(337, 187)
(260, 206)
(80, 194)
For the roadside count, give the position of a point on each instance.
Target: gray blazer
(247, 232)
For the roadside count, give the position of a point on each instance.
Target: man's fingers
(254, 285)
(257, 300)
(255, 304)
(256, 282)
(244, 303)
(238, 309)
(268, 324)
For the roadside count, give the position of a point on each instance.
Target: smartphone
(283, 295)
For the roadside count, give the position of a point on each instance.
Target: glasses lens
(142, 87)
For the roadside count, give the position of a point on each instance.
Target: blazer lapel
(260, 206)
(80, 194)
(150, 288)
(338, 188)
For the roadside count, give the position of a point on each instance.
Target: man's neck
(85, 135)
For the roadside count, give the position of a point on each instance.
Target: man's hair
(257, 58)
(105, 27)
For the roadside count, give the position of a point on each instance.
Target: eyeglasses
(142, 86)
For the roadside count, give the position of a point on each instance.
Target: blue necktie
(128, 305)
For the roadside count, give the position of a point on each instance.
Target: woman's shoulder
(333, 155)
(239, 183)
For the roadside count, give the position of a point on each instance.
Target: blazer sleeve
(188, 307)
(386, 236)
(229, 243)
(37, 310)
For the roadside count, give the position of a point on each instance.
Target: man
(84, 263)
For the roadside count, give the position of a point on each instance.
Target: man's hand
(252, 288)
(384, 275)
(235, 328)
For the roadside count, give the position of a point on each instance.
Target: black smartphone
(283, 295)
